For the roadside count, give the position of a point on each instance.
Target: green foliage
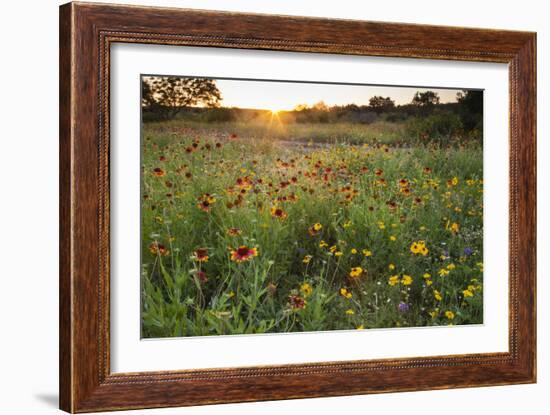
(471, 109)
(442, 128)
(368, 220)
(219, 115)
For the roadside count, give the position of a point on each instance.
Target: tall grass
(372, 202)
(273, 128)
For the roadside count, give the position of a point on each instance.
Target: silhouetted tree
(471, 108)
(425, 99)
(380, 104)
(301, 107)
(320, 106)
(146, 94)
(471, 100)
(168, 95)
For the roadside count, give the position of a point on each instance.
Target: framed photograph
(260, 207)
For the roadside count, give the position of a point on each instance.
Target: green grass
(336, 186)
(272, 128)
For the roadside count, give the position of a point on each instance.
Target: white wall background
(29, 205)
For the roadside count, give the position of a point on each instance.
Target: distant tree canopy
(425, 99)
(166, 96)
(380, 104)
(301, 107)
(320, 106)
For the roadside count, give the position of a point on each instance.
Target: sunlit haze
(276, 96)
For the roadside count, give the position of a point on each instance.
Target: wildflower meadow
(269, 225)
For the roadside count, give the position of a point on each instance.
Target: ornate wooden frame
(86, 33)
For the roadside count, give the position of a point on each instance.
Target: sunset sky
(276, 95)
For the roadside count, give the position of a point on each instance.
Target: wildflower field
(254, 233)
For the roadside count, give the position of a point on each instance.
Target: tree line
(166, 97)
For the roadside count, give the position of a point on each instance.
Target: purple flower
(403, 307)
(468, 251)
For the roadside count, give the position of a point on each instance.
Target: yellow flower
(433, 314)
(454, 181)
(347, 224)
(393, 238)
(381, 225)
(393, 280)
(361, 327)
(455, 227)
(345, 293)
(391, 267)
(366, 252)
(443, 272)
(451, 266)
(437, 295)
(315, 229)
(307, 259)
(350, 312)
(449, 314)
(468, 293)
(323, 244)
(356, 272)
(426, 275)
(230, 294)
(306, 289)
(407, 280)
(333, 248)
(419, 247)
(353, 251)
(429, 282)
(338, 253)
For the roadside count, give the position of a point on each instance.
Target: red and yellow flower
(159, 172)
(234, 231)
(205, 202)
(201, 255)
(278, 213)
(158, 249)
(243, 253)
(296, 302)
